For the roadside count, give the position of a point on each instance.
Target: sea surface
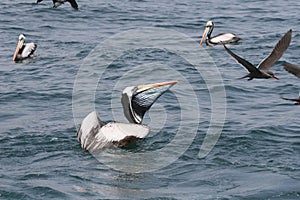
(257, 149)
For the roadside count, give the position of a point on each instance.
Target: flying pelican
(223, 38)
(293, 99)
(262, 71)
(94, 135)
(293, 69)
(57, 3)
(23, 50)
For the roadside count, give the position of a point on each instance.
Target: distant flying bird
(94, 135)
(262, 71)
(223, 38)
(293, 69)
(57, 3)
(24, 50)
(293, 99)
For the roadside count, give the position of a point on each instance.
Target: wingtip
(290, 32)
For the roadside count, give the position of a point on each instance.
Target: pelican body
(222, 38)
(57, 3)
(94, 135)
(262, 71)
(23, 50)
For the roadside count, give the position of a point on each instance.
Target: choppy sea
(257, 153)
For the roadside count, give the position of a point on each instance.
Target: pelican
(94, 135)
(293, 69)
(293, 99)
(223, 38)
(262, 71)
(57, 3)
(23, 50)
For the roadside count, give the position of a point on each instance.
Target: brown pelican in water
(293, 69)
(57, 3)
(94, 135)
(23, 50)
(262, 71)
(222, 38)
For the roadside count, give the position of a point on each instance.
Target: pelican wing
(277, 52)
(115, 132)
(224, 38)
(93, 135)
(293, 69)
(90, 126)
(28, 50)
(73, 4)
(251, 68)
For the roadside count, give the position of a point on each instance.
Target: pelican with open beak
(223, 38)
(24, 50)
(94, 135)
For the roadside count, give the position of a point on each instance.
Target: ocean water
(256, 155)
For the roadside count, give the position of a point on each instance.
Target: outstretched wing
(251, 68)
(90, 126)
(277, 52)
(73, 4)
(28, 49)
(293, 69)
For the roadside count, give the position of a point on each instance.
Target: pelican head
(19, 46)
(209, 24)
(22, 37)
(208, 29)
(137, 100)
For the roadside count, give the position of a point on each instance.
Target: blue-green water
(256, 157)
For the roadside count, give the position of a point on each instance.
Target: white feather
(57, 4)
(222, 38)
(90, 123)
(28, 50)
(118, 131)
(94, 135)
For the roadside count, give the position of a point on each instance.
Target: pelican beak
(275, 77)
(142, 88)
(204, 35)
(17, 50)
